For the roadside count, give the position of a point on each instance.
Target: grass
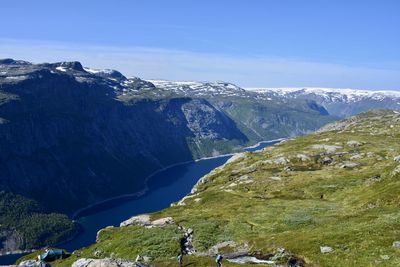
(300, 209)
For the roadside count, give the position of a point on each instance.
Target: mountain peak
(106, 73)
(10, 61)
(73, 65)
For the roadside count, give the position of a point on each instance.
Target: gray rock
(357, 156)
(349, 165)
(396, 244)
(375, 178)
(385, 257)
(303, 157)
(144, 220)
(354, 143)
(281, 161)
(326, 249)
(327, 160)
(397, 158)
(327, 148)
(162, 222)
(33, 263)
(107, 262)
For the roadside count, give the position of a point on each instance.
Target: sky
(253, 43)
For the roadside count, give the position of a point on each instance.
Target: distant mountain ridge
(338, 102)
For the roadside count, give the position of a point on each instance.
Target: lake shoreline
(136, 195)
(140, 193)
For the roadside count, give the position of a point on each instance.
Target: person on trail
(218, 260)
(180, 258)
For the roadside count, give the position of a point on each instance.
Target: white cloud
(154, 63)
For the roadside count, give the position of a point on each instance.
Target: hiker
(218, 260)
(180, 258)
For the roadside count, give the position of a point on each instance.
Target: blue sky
(268, 43)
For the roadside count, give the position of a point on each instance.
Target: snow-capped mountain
(190, 88)
(338, 102)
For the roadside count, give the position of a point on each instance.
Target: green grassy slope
(337, 188)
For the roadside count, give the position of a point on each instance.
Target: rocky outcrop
(109, 262)
(145, 220)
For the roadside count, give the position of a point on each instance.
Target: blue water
(165, 187)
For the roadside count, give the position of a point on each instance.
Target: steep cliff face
(67, 140)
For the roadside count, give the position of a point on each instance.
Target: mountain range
(338, 102)
(71, 136)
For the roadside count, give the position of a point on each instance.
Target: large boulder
(144, 220)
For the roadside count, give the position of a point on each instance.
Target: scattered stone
(326, 249)
(385, 257)
(250, 260)
(197, 199)
(288, 169)
(186, 242)
(275, 178)
(326, 160)
(341, 154)
(223, 245)
(281, 161)
(245, 178)
(357, 156)
(375, 178)
(303, 157)
(146, 258)
(98, 253)
(327, 148)
(354, 143)
(349, 165)
(109, 262)
(235, 171)
(250, 169)
(396, 244)
(232, 185)
(397, 158)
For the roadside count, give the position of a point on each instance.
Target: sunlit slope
(337, 188)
